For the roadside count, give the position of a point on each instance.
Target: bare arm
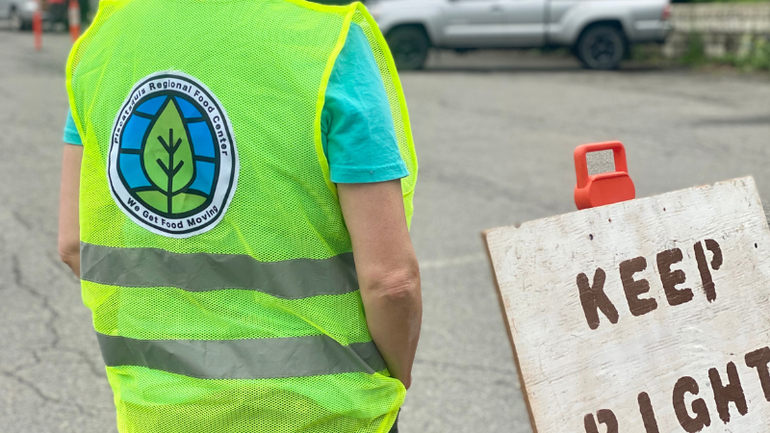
(69, 225)
(388, 273)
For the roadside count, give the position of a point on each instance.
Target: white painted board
(573, 376)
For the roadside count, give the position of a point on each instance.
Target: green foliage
(169, 163)
(695, 54)
(760, 58)
(757, 58)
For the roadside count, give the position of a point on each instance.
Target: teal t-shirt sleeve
(358, 136)
(71, 134)
(357, 126)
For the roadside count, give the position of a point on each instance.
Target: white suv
(598, 31)
(18, 12)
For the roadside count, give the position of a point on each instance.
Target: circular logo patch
(173, 165)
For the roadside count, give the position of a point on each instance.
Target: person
(238, 215)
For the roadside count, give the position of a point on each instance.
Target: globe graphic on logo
(167, 158)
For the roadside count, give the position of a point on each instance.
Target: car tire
(601, 47)
(409, 46)
(17, 23)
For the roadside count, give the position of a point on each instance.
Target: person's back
(214, 252)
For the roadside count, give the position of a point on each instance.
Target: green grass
(757, 59)
(695, 55)
(754, 57)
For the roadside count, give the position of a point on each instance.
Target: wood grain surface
(651, 315)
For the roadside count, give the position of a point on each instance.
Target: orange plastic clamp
(604, 188)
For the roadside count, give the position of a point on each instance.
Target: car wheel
(409, 46)
(601, 47)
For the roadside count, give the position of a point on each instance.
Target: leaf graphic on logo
(184, 202)
(168, 155)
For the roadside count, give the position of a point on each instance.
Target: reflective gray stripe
(243, 359)
(199, 272)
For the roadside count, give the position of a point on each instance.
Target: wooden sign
(648, 316)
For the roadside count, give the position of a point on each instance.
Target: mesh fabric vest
(256, 324)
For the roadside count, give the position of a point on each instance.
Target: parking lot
(494, 132)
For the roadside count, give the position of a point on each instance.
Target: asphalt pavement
(494, 133)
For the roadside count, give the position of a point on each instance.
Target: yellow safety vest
(214, 254)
